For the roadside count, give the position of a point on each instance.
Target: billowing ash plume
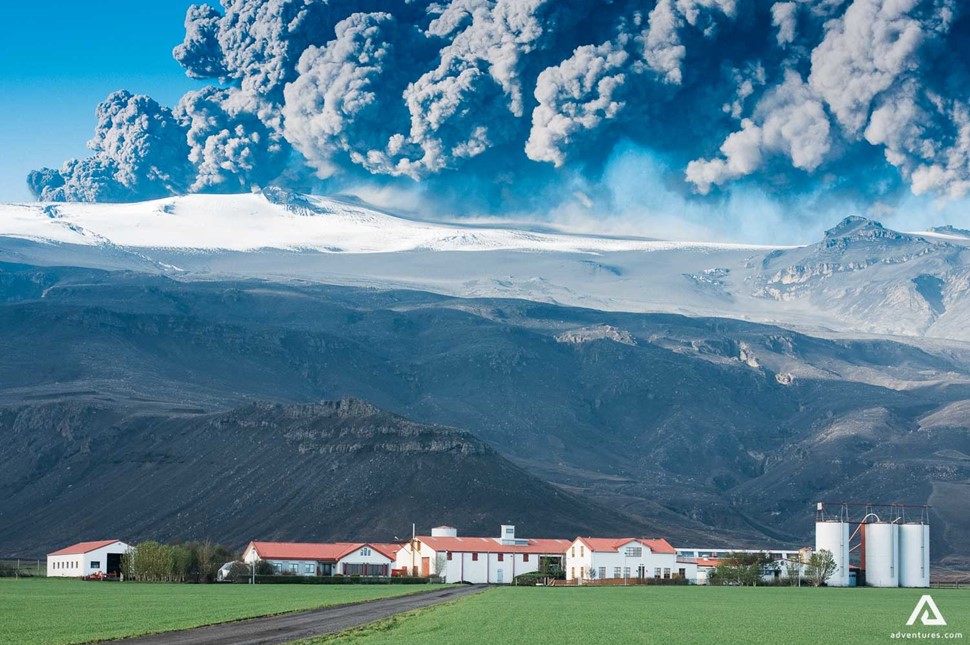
(140, 151)
(783, 96)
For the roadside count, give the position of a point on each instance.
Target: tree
(820, 567)
(743, 569)
(793, 571)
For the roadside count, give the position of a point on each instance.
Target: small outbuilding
(102, 557)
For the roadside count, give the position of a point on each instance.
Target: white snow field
(859, 279)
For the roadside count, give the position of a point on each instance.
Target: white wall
(579, 561)
(79, 565)
(365, 555)
(486, 568)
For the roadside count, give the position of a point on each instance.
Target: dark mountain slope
(696, 424)
(329, 471)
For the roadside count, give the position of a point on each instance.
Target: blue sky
(61, 58)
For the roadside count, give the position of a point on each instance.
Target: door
(425, 567)
(114, 564)
(499, 576)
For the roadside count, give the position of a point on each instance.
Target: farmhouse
(479, 559)
(87, 558)
(324, 559)
(590, 558)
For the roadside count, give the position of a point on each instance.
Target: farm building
(478, 559)
(324, 559)
(706, 560)
(84, 559)
(590, 558)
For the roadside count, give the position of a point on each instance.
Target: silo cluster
(896, 554)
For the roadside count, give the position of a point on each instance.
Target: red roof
(387, 548)
(331, 552)
(708, 562)
(492, 545)
(657, 545)
(84, 547)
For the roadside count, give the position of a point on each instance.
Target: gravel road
(305, 624)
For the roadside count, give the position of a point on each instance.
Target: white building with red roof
(324, 559)
(102, 557)
(590, 558)
(478, 560)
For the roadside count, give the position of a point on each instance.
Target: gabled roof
(387, 548)
(656, 545)
(492, 545)
(84, 547)
(325, 552)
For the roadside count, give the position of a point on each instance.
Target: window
(602, 572)
(294, 567)
(582, 572)
(365, 551)
(95, 564)
(449, 555)
(626, 572)
(682, 573)
(667, 573)
(617, 572)
(501, 557)
(582, 550)
(656, 572)
(509, 530)
(573, 551)
(572, 572)
(474, 557)
(525, 557)
(633, 552)
(277, 567)
(308, 568)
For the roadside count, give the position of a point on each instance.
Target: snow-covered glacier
(861, 278)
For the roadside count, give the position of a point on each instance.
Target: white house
(590, 558)
(324, 559)
(478, 559)
(87, 558)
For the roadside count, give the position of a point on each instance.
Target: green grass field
(55, 611)
(570, 616)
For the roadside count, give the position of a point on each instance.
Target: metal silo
(882, 554)
(914, 555)
(833, 535)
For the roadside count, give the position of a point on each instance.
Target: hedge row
(335, 580)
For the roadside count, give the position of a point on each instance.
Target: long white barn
(496, 560)
(87, 558)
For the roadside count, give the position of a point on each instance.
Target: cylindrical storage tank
(914, 555)
(882, 554)
(833, 536)
(444, 531)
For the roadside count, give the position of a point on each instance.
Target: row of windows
(582, 551)
(500, 558)
(624, 572)
(71, 565)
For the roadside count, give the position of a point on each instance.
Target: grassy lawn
(668, 615)
(54, 611)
